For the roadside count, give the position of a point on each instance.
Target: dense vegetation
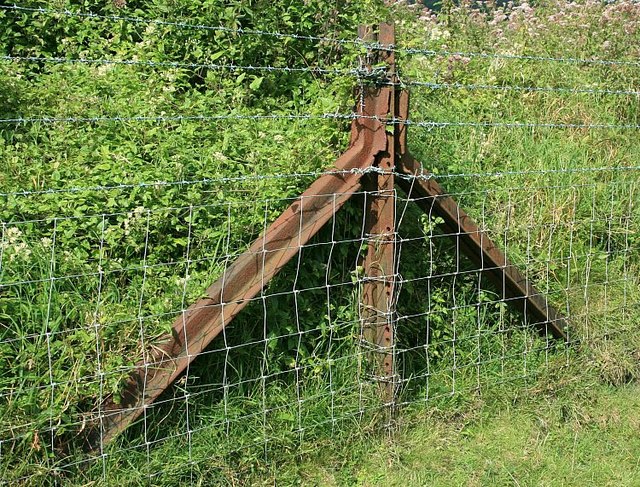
(112, 225)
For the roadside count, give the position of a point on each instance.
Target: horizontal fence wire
(442, 378)
(324, 116)
(520, 57)
(515, 125)
(168, 64)
(516, 88)
(355, 72)
(359, 43)
(180, 118)
(193, 26)
(426, 176)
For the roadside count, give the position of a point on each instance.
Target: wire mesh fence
(118, 214)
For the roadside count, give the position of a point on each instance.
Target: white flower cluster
(12, 244)
(133, 217)
(182, 281)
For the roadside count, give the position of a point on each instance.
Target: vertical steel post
(377, 307)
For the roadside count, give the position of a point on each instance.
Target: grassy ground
(583, 436)
(567, 428)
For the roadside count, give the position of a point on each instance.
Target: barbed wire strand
(544, 89)
(355, 72)
(175, 118)
(531, 125)
(312, 174)
(351, 72)
(355, 42)
(194, 26)
(323, 116)
(522, 57)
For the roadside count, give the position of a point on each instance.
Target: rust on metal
(475, 243)
(516, 288)
(379, 266)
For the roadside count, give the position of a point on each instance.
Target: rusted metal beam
(371, 146)
(480, 248)
(377, 304)
(197, 326)
(473, 241)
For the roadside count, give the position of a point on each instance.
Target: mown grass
(92, 277)
(565, 435)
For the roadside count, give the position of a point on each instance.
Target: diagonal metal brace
(198, 325)
(475, 243)
(373, 150)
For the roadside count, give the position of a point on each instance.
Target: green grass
(564, 428)
(585, 436)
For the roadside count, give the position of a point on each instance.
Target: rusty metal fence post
(377, 304)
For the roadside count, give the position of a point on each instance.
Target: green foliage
(91, 275)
